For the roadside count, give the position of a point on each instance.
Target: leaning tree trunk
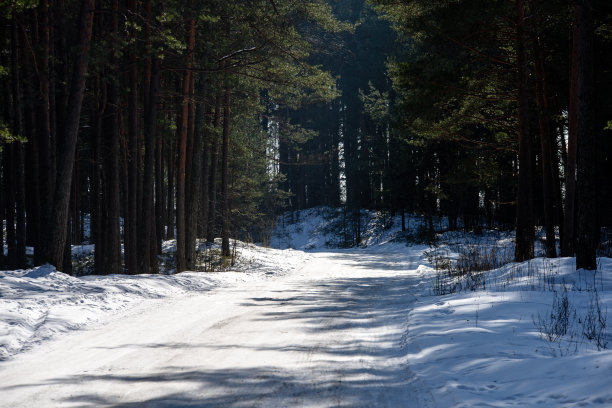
(587, 229)
(524, 201)
(54, 253)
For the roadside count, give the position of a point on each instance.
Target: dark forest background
(154, 120)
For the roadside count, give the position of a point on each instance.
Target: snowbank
(37, 304)
(505, 344)
(323, 228)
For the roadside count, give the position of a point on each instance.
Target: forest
(130, 123)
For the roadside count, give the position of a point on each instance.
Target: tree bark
(193, 203)
(225, 205)
(587, 228)
(18, 257)
(546, 140)
(214, 166)
(180, 197)
(45, 155)
(148, 228)
(54, 253)
(97, 189)
(33, 206)
(112, 241)
(132, 209)
(205, 178)
(159, 196)
(524, 201)
(9, 194)
(171, 165)
(568, 245)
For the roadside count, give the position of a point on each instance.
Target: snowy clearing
(357, 328)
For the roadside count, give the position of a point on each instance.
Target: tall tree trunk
(524, 202)
(190, 136)
(171, 165)
(9, 194)
(46, 166)
(112, 240)
(148, 229)
(17, 259)
(67, 259)
(2, 212)
(193, 202)
(132, 209)
(205, 178)
(567, 248)
(159, 196)
(214, 166)
(587, 228)
(97, 192)
(335, 158)
(546, 139)
(54, 253)
(20, 202)
(33, 206)
(225, 205)
(182, 152)
(96, 197)
(75, 204)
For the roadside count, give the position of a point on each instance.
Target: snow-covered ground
(40, 303)
(372, 326)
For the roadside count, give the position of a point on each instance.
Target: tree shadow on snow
(345, 370)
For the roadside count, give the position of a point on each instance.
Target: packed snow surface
(37, 304)
(363, 327)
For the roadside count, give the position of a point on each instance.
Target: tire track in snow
(327, 335)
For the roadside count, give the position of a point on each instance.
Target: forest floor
(388, 325)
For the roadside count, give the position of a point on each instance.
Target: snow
(39, 303)
(324, 327)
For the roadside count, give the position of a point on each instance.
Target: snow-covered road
(330, 334)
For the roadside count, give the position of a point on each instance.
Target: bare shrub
(468, 271)
(595, 322)
(557, 327)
